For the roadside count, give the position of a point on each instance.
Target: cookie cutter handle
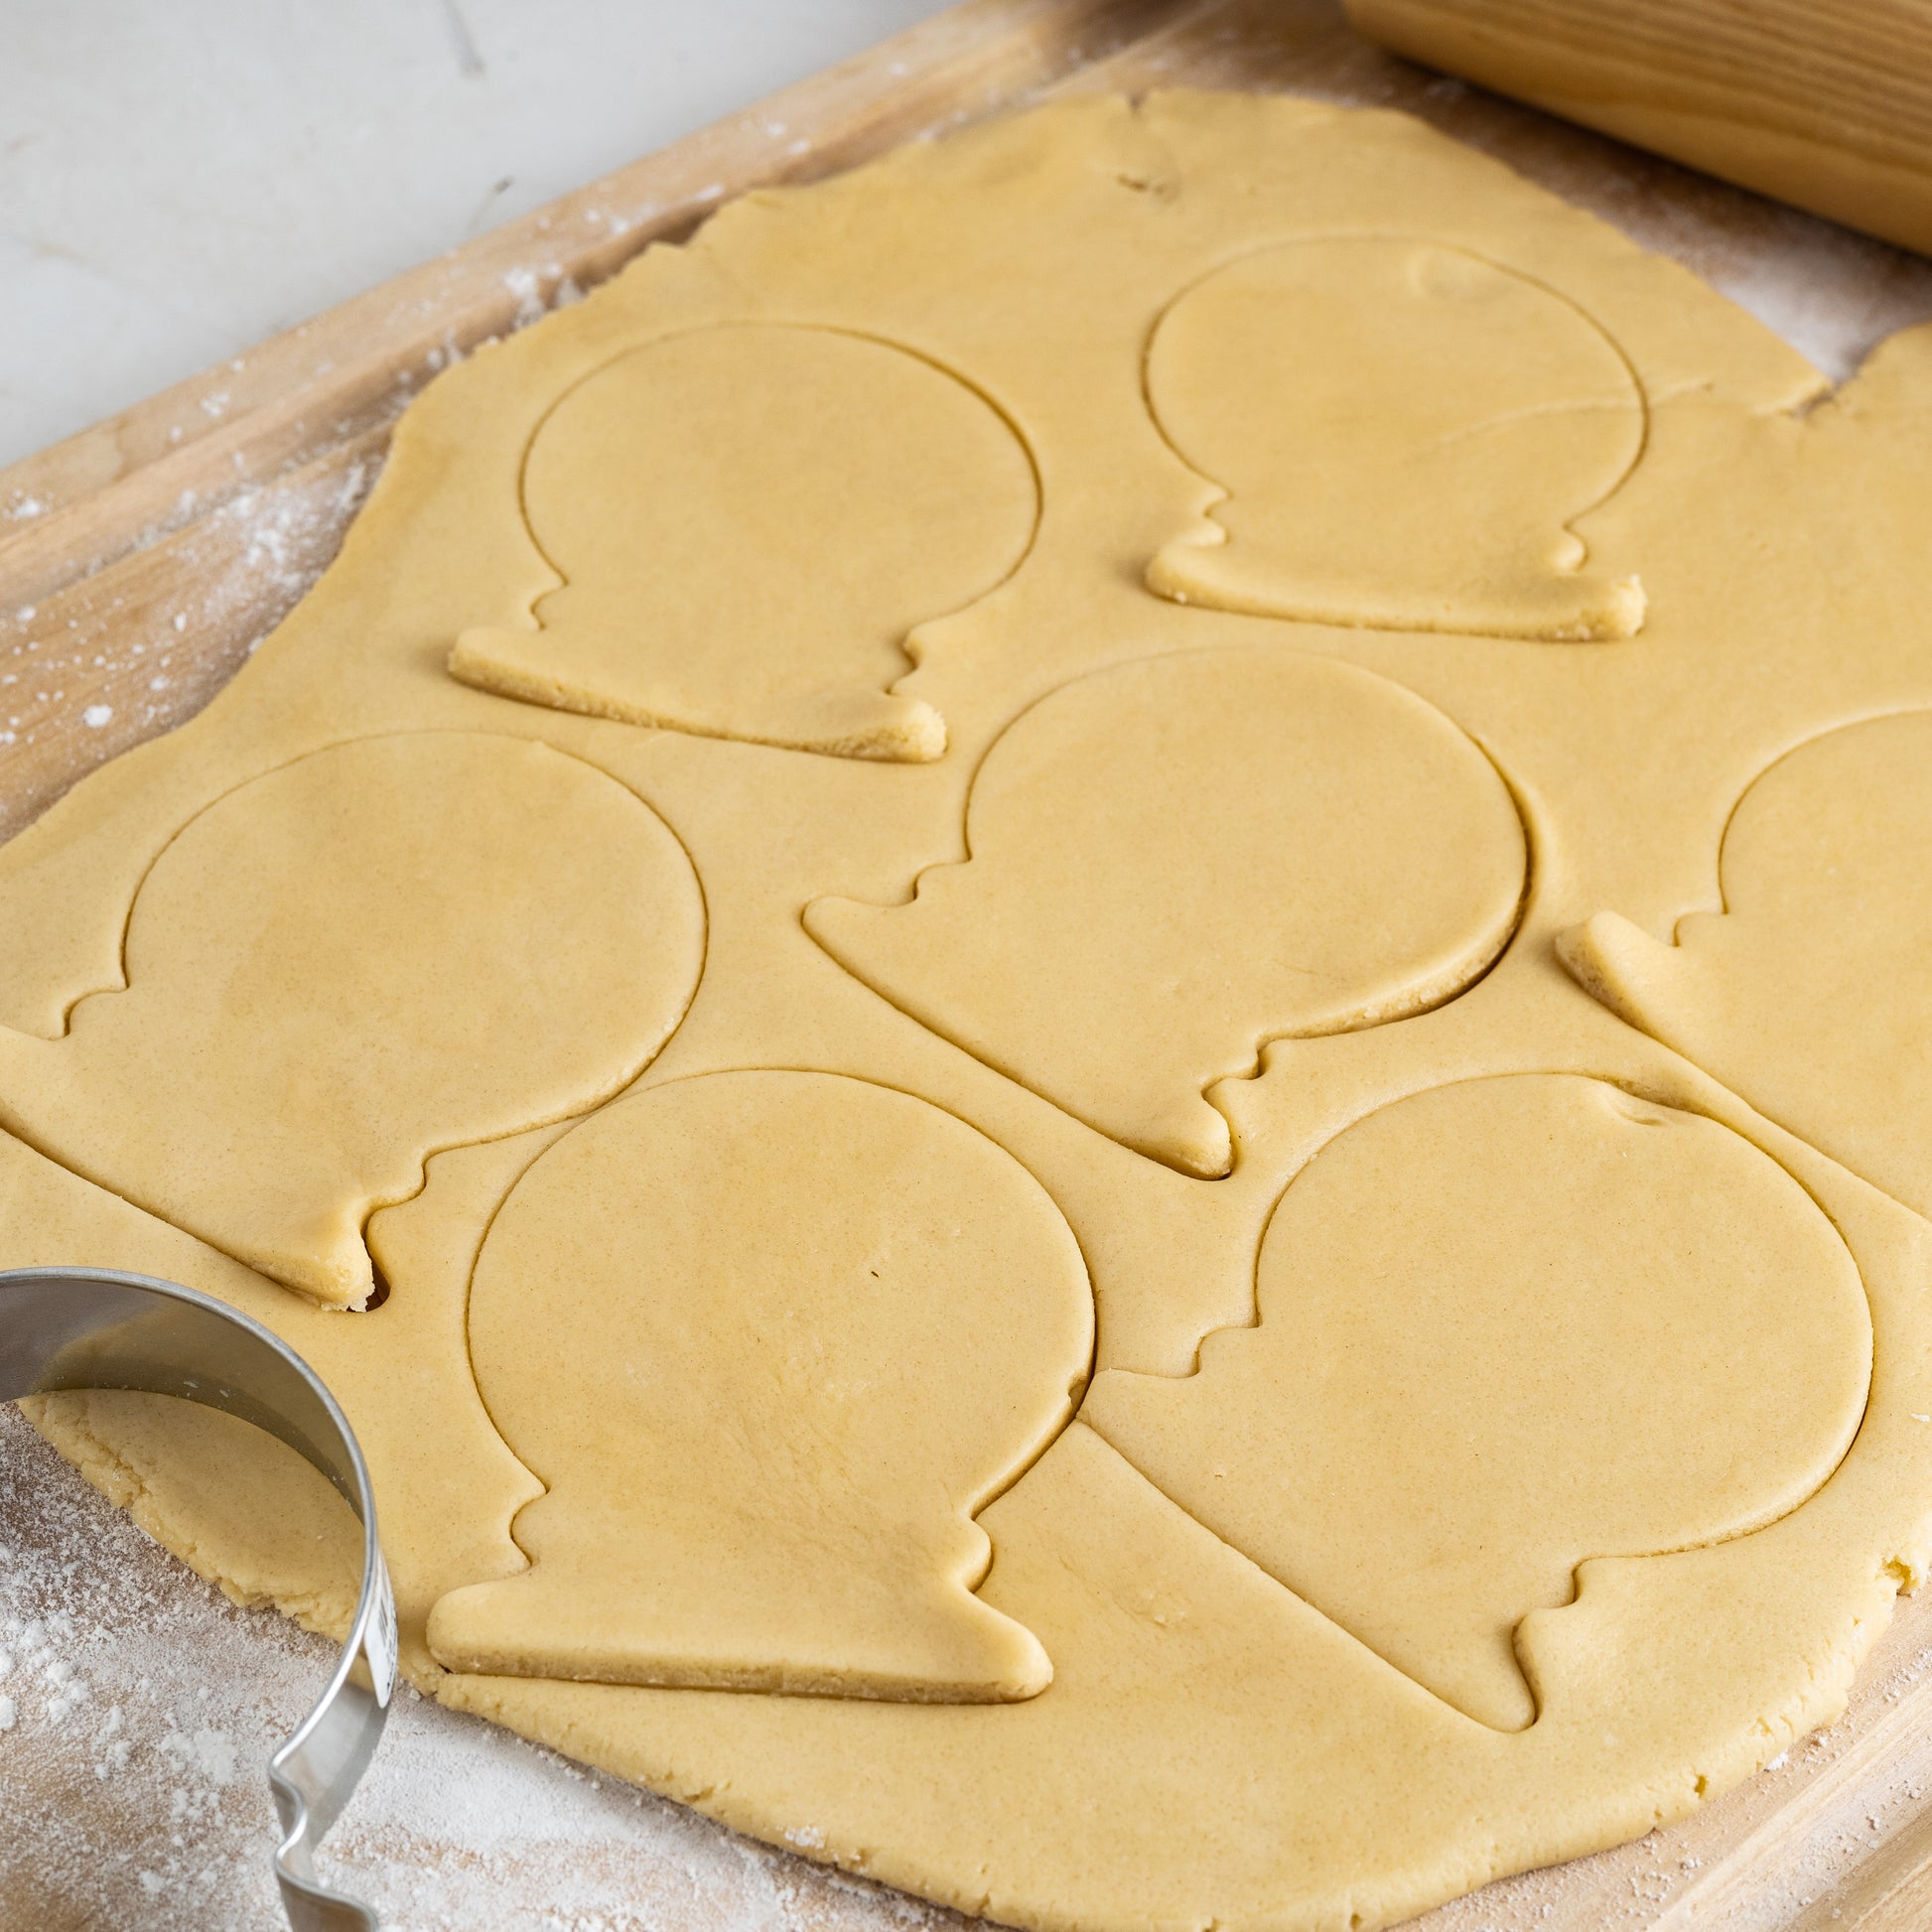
(99, 1328)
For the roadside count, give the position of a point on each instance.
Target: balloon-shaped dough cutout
(1808, 995)
(1506, 1326)
(392, 947)
(1175, 859)
(769, 1339)
(1405, 433)
(749, 521)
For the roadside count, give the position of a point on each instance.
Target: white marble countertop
(179, 182)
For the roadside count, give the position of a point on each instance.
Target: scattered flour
(144, 1801)
(101, 684)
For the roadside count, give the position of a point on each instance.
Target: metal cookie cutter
(95, 1328)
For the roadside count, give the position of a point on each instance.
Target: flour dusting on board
(139, 1708)
(76, 672)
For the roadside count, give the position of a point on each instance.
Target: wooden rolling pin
(1826, 104)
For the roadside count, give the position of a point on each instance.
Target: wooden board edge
(143, 473)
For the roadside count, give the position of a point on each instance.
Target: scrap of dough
(1405, 432)
(1175, 859)
(392, 947)
(1808, 995)
(749, 521)
(769, 1339)
(1503, 1327)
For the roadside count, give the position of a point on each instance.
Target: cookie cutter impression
(99, 1328)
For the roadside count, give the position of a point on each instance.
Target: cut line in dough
(1173, 861)
(1457, 1390)
(391, 946)
(733, 511)
(1808, 994)
(1404, 434)
(770, 1340)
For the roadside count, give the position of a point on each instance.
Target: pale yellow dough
(832, 1321)
(1503, 1326)
(377, 950)
(1808, 994)
(1463, 418)
(750, 521)
(1210, 883)
(1205, 852)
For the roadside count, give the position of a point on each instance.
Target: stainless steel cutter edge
(89, 1327)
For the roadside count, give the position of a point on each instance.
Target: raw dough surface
(380, 949)
(1458, 1387)
(750, 521)
(805, 1315)
(1463, 418)
(1177, 859)
(1808, 994)
(1229, 1736)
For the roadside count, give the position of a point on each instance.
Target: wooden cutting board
(141, 561)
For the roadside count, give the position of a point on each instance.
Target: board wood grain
(141, 560)
(1826, 104)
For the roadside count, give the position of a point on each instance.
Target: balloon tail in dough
(1456, 1391)
(1179, 859)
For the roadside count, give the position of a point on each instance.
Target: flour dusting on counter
(139, 1708)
